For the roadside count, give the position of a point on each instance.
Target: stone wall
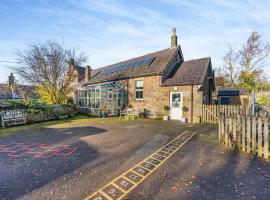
(156, 97)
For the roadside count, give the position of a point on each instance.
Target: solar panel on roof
(127, 66)
(137, 63)
(114, 69)
(122, 66)
(148, 61)
(141, 62)
(110, 70)
(131, 65)
(119, 67)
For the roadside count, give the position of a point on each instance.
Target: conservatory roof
(108, 85)
(112, 84)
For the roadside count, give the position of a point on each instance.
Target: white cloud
(114, 30)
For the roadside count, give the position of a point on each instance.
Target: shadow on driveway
(206, 170)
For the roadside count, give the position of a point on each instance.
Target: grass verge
(211, 138)
(54, 123)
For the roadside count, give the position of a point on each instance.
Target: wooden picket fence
(249, 134)
(211, 113)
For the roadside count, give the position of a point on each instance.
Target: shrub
(264, 100)
(185, 109)
(37, 110)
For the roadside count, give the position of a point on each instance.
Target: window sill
(138, 99)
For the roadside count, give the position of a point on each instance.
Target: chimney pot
(87, 75)
(11, 80)
(71, 64)
(173, 38)
(71, 61)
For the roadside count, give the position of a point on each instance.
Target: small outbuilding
(232, 96)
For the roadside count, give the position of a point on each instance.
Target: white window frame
(138, 90)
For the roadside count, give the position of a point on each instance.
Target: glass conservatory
(105, 97)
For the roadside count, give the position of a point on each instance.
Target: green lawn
(211, 138)
(71, 121)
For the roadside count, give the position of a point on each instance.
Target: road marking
(118, 188)
(39, 150)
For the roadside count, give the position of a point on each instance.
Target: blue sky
(109, 31)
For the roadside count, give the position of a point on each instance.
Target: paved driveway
(72, 161)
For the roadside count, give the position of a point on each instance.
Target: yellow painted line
(128, 179)
(119, 188)
(135, 172)
(186, 136)
(104, 194)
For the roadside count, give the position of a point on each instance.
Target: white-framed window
(139, 90)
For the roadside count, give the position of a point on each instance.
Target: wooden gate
(211, 113)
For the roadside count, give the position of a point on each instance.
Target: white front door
(176, 105)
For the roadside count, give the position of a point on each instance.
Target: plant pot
(63, 117)
(104, 114)
(184, 120)
(165, 118)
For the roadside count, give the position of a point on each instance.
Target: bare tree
(230, 69)
(46, 66)
(254, 55)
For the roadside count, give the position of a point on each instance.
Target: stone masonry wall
(156, 97)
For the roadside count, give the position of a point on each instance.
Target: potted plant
(166, 117)
(104, 112)
(185, 110)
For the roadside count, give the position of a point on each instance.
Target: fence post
(210, 114)
(234, 131)
(225, 130)
(248, 134)
(219, 128)
(260, 137)
(230, 131)
(243, 133)
(266, 139)
(222, 128)
(238, 131)
(206, 113)
(203, 113)
(254, 133)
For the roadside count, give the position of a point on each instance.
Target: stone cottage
(151, 83)
(13, 90)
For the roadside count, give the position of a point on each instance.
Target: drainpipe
(191, 109)
(127, 91)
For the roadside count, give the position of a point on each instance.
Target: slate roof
(232, 91)
(6, 92)
(191, 72)
(162, 58)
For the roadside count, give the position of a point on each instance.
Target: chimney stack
(87, 75)
(11, 80)
(71, 63)
(173, 38)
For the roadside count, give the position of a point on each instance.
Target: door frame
(181, 104)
